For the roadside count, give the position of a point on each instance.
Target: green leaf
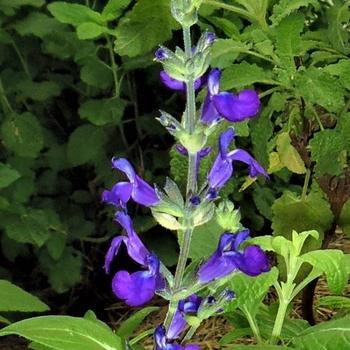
(341, 70)
(22, 134)
(285, 7)
(85, 144)
(38, 24)
(32, 226)
(114, 9)
(4, 320)
(9, 7)
(325, 145)
(330, 335)
(38, 91)
(90, 30)
(334, 301)
(244, 74)
(13, 298)
(103, 111)
(292, 213)
(260, 347)
(95, 73)
(65, 332)
(74, 14)
(148, 19)
(288, 155)
(250, 291)
(7, 175)
(64, 273)
(331, 262)
(225, 51)
(318, 87)
(263, 198)
(344, 219)
(128, 327)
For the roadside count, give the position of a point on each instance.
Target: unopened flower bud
(161, 55)
(227, 217)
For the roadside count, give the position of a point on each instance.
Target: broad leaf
(90, 30)
(328, 335)
(334, 301)
(114, 8)
(344, 219)
(65, 332)
(13, 298)
(7, 175)
(331, 262)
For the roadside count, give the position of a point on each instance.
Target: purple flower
(178, 85)
(139, 287)
(234, 108)
(161, 54)
(228, 258)
(186, 306)
(162, 342)
(138, 189)
(222, 168)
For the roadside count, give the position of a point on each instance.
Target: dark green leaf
(7, 175)
(344, 219)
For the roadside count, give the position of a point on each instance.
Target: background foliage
(78, 86)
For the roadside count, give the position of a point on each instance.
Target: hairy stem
(253, 325)
(281, 314)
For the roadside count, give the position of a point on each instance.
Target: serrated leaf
(84, 144)
(114, 9)
(318, 87)
(341, 70)
(94, 72)
(225, 51)
(331, 262)
(330, 335)
(244, 74)
(14, 298)
(103, 111)
(285, 7)
(292, 213)
(90, 30)
(263, 198)
(250, 291)
(74, 14)
(8, 175)
(127, 327)
(288, 155)
(174, 193)
(60, 332)
(148, 19)
(326, 145)
(22, 134)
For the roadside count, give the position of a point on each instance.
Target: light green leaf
(13, 298)
(331, 262)
(288, 155)
(114, 9)
(285, 7)
(146, 26)
(334, 301)
(225, 51)
(22, 134)
(90, 30)
(250, 291)
(128, 327)
(244, 74)
(7, 175)
(74, 14)
(344, 219)
(84, 144)
(292, 213)
(103, 111)
(341, 70)
(330, 335)
(65, 332)
(95, 73)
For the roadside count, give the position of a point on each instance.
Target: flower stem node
(193, 142)
(227, 217)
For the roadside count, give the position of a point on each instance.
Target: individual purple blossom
(138, 189)
(234, 108)
(186, 306)
(139, 287)
(161, 54)
(227, 258)
(222, 168)
(178, 85)
(162, 342)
